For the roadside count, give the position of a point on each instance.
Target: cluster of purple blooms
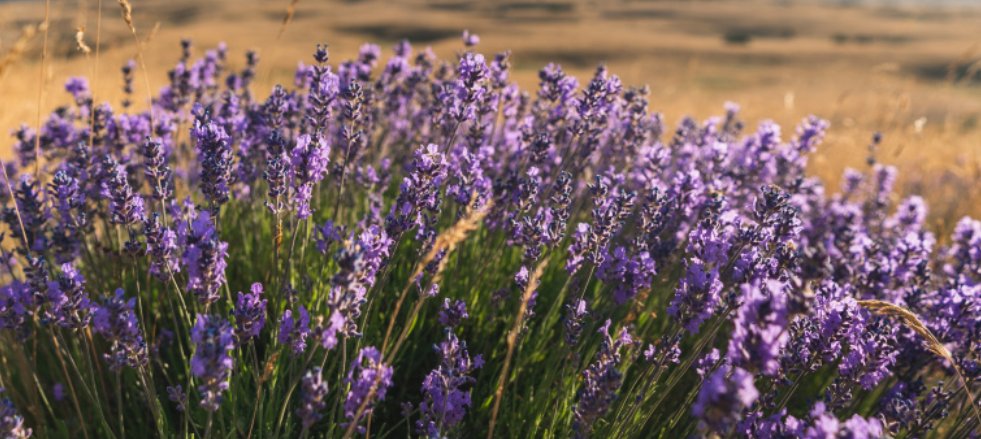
(11, 422)
(713, 231)
(446, 389)
(369, 379)
(212, 363)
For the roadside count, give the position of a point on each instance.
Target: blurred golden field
(911, 71)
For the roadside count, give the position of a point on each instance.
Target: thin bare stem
(127, 11)
(40, 91)
(290, 11)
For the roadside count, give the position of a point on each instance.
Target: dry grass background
(909, 71)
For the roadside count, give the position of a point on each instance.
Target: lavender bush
(426, 249)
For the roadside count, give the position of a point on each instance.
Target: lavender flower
(576, 312)
(313, 394)
(609, 213)
(127, 70)
(30, 217)
(276, 175)
(323, 90)
(723, 397)
(327, 235)
(37, 276)
(419, 193)
(452, 313)
(73, 217)
(125, 206)
(446, 393)
(824, 425)
(629, 275)
(204, 256)
(11, 422)
(294, 328)
(358, 264)
(707, 363)
(470, 39)
(79, 89)
(156, 169)
(214, 341)
(16, 308)
(162, 247)
(601, 380)
(309, 165)
(116, 320)
(69, 302)
(215, 155)
(250, 313)
(352, 135)
(177, 396)
(26, 145)
(698, 291)
(964, 260)
(760, 328)
(369, 379)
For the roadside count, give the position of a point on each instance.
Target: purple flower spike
(11, 421)
(313, 394)
(369, 379)
(177, 396)
(723, 398)
(601, 381)
(309, 166)
(70, 306)
(116, 320)
(452, 313)
(162, 247)
(294, 328)
(760, 328)
(205, 259)
(250, 313)
(358, 263)
(215, 156)
(214, 341)
(125, 206)
(576, 312)
(156, 169)
(470, 39)
(446, 389)
(418, 198)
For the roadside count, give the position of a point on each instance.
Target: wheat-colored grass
(290, 12)
(911, 321)
(16, 51)
(80, 41)
(444, 243)
(512, 340)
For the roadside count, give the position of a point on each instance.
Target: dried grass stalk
(513, 341)
(80, 41)
(153, 33)
(127, 10)
(446, 241)
(270, 366)
(290, 11)
(913, 322)
(27, 34)
(451, 238)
